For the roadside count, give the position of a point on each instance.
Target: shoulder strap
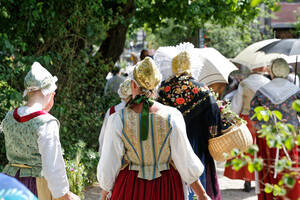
(112, 110)
(26, 118)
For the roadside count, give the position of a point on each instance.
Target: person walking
(201, 115)
(151, 139)
(241, 105)
(32, 143)
(278, 94)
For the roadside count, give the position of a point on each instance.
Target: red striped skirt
(129, 187)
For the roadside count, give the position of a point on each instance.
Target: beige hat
(280, 68)
(38, 78)
(146, 74)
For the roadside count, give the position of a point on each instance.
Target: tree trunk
(112, 47)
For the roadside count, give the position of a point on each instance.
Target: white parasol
(216, 67)
(252, 58)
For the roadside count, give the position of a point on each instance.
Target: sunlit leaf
(289, 181)
(254, 3)
(268, 188)
(296, 105)
(277, 114)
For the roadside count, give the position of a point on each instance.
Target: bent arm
(112, 153)
(53, 165)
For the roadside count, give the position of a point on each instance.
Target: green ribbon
(147, 103)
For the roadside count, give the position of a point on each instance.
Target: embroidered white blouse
(118, 107)
(53, 165)
(187, 163)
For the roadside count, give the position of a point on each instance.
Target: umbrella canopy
(251, 58)
(287, 47)
(216, 67)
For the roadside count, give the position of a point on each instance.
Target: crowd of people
(154, 144)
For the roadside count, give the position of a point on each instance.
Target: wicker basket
(237, 136)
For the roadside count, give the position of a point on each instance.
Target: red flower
(167, 88)
(195, 90)
(221, 108)
(180, 100)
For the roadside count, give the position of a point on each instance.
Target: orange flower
(195, 90)
(167, 88)
(180, 100)
(184, 87)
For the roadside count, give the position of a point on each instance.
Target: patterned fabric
(140, 155)
(288, 114)
(180, 92)
(21, 144)
(269, 154)
(11, 189)
(202, 117)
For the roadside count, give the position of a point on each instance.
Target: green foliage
(59, 34)
(278, 135)
(296, 105)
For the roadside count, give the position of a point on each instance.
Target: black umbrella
(287, 47)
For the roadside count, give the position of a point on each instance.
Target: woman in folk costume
(151, 139)
(241, 105)
(198, 106)
(278, 94)
(125, 94)
(32, 140)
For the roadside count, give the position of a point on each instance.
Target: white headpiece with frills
(38, 78)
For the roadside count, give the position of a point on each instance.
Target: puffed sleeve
(186, 161)
(102, 132)
(53, 165)
(112, 153)
(237, 101)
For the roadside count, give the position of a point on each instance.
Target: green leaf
(296, 105)
(298, 140)
(259, 109)
(277, 191)
(254, 3)
(259, 116)
(251, 167)
(277, 114)
(289, 181)
(268, 188)
(288, 143)
(265, 117)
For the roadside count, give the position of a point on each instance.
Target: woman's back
(150, 156)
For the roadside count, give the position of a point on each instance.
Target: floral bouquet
(228, 117)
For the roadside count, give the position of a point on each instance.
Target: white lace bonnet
(38, 78)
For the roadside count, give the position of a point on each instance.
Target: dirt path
(231, 189)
